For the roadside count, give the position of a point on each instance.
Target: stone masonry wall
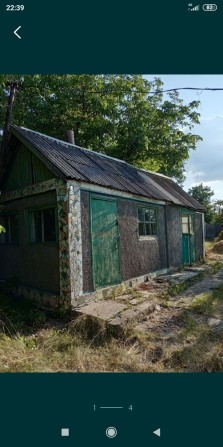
(70, 246)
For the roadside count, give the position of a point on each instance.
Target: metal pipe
(69, 136)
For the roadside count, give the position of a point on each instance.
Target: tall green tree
(112, 114)
(218, 207)
(203, 195)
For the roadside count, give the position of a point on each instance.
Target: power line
(134, 91)
(110, 91)
(121, 90)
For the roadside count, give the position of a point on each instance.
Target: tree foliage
(203, 195)
(112, 114)
(218, 208)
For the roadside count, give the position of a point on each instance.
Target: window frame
(190, 222)
(8, 226)
(150, 223)
(28, 221)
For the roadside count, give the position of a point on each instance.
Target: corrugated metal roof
(74, 162)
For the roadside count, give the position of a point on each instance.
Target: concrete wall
(174, 235)
(35, 265)
(138, 256)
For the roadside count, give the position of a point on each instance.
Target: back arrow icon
(157, 432)
(15, 32)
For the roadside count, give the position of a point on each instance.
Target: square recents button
(65, 432)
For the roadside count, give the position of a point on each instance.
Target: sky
(205, 164)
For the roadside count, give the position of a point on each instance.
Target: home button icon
(111, 432)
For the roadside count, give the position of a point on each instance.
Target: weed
(189, 325)
(210, 304)
(203, 303)
(136, 294)
(92, 330)
(176, 289)
(216, 266)
(30, 341)
(165, 304)
(116, 292)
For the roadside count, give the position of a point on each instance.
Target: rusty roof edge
(191, 203)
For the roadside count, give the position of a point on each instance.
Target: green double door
(105, 242)
(188, 245)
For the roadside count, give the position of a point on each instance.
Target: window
(42, 225)
(187, 224)
(11, 225)
(147, 221)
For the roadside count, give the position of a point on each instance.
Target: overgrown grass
(210, 304)
(200, 352)
(175, 289)
(31, 340)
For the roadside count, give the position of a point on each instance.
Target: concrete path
(168, 322)
(187, 297)
(144, 302)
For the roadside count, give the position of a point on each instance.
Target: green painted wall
(25, 170)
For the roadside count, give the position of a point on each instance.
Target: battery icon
(209, 7)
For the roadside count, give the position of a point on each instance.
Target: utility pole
(13, 86)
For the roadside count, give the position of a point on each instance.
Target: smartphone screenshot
(111, 224)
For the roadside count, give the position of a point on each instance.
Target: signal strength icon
(193, 8)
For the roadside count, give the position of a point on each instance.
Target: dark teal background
(187, 408)
(111, 37)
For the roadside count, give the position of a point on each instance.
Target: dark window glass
(140, 214)
(141, 229)
(49, 225)
(153, 229)
(147, 229)
(36, 226)
(147, 221)
(43, 225)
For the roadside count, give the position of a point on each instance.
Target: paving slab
(196, 291)
(104, 309)
(197, 269)
(134, 301)
(177, 278)
(134, 313)
(144, 312)
(125, 297)
(215, 323)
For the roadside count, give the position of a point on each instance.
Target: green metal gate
(188, 245)
(105, 242)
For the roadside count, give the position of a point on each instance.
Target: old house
(78, 221)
